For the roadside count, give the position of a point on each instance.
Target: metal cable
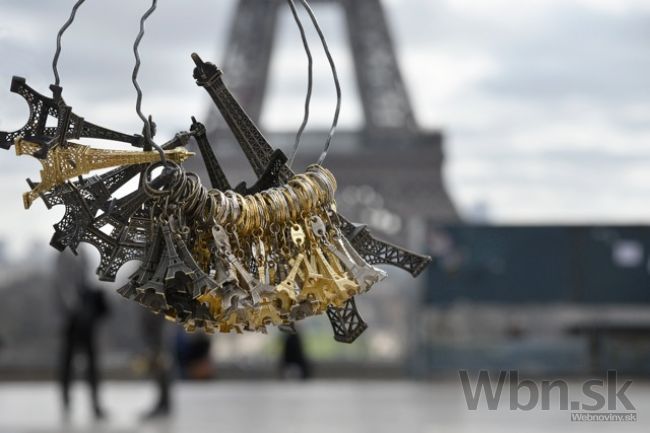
(138, 104)
(335, 76)
(55, 61)
(310, 81)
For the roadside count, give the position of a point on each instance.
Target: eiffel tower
(390, 153)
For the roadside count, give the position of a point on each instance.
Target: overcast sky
(545, 103)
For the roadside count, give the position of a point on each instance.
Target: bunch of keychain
(221, 259)
(229, 262)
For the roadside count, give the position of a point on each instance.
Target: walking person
(159, 360)
(82, 308)
(294, 362)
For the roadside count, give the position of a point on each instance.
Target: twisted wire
(310, 81)
(134, 78)
(59, 36)
(335, 76)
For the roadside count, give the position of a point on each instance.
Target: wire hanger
(310, 81)
(147, 122)
(59, 36)
(335, 76)
(64, 111)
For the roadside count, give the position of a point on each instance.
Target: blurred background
(508, 140)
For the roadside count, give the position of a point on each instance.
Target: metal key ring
(312, 189)
(220, 209)
(292, 202)
(321, 179)
(235, 208)
(279, 209)
(297, 184)
(146, 180)
(322, 171)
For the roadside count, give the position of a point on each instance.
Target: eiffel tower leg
(249, 50)
(346, 322)
(385, 101)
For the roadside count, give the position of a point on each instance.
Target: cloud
(544, 104)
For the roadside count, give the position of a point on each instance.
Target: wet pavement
(315, 407)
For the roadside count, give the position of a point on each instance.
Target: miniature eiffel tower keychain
(214, 258)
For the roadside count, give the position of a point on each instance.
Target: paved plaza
(275, 407)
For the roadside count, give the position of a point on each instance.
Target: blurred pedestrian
(294, 361)
(82, 307)
(159, 361)
(193, 355)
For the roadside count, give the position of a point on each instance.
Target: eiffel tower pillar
(248, 55)
(384, 98)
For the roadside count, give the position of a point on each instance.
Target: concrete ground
(327, 407)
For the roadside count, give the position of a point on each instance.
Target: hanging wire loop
(57, 54)
(335, 76)
(148, 133)
(310, 81)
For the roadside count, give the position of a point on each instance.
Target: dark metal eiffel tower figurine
(69, 125)
(257, 149)
(260, 153)
(347, 323)
(218, 178)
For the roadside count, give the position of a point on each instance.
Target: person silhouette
(294, 361)
(155, 339)
(82, 308)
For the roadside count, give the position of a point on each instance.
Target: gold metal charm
(72, 160)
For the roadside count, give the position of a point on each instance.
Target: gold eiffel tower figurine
(72, 160)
